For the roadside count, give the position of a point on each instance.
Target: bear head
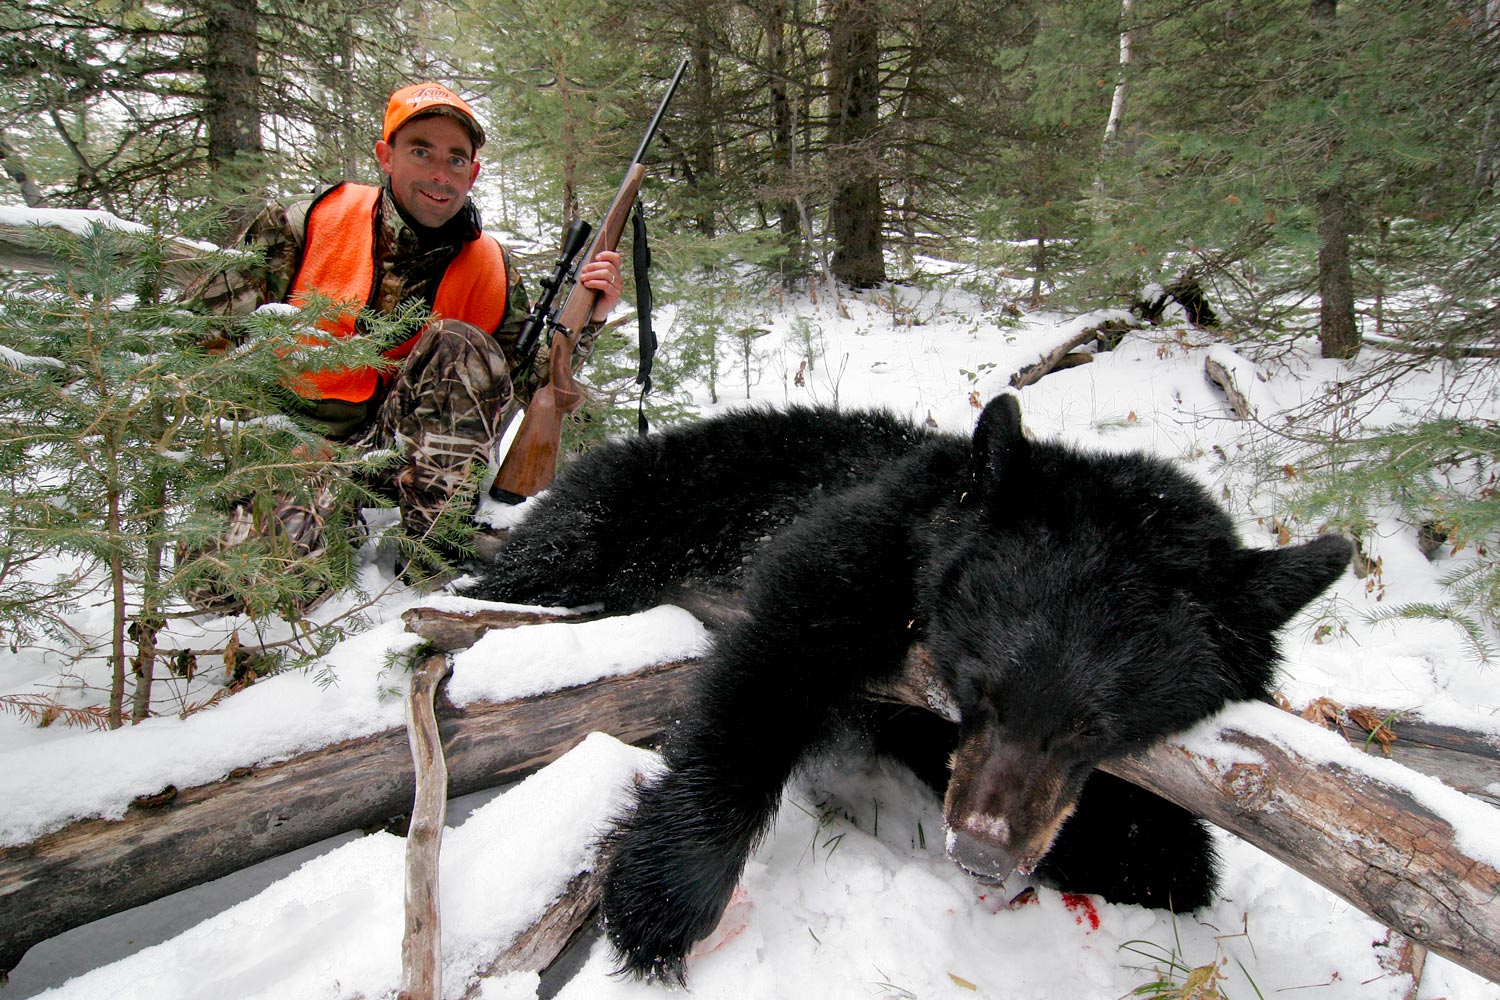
(1077, 608)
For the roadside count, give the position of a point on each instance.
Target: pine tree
(124, 442)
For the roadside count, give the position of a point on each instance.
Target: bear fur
(1077, 607)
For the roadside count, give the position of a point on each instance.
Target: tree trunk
(1338, 331)
(231, 107)
(782, 134)
(1122, 80)
(855, 215)
(705, 166)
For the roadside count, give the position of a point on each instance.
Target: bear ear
(1000, 449)
(1274, 584)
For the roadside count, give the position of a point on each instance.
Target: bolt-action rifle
(531, 462)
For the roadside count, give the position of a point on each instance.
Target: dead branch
(422, 941)
(1053, 357)
(451, 630)
(24, 248)
(1224, 379)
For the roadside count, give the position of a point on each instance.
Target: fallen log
(1408, 870)
(1373, 841)
(96, 867)
(536, 948)
(1051, 358)
(1460, 758)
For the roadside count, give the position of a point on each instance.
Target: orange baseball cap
(421, 99)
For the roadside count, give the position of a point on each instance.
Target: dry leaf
(1377, 725)
(1323, 712)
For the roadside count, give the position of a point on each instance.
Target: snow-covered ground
(851, 895)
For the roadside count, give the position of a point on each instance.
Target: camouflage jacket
(407, 270)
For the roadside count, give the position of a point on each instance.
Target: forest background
(1280, 168)
(1284, 169)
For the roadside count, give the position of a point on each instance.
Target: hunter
(417, 236)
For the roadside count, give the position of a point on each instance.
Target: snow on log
(1402, 847)
(96, 867)
(1416, 855)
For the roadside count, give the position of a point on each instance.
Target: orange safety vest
(338, 260)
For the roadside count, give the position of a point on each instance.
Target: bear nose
(983, 853)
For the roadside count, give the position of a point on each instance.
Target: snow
(850, 895)
(538, 658)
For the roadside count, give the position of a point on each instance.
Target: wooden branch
(1034, 371)
(1224, 379)
(422, 942)
(1368, 840)
(96, 867)
(1052, 358)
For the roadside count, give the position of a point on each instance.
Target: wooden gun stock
(531, 462)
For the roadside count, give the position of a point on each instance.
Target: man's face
(431, 164)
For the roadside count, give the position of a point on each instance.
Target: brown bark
(231, 100)
(1338, 331)
(1052, 358)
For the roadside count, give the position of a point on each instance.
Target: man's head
(428, 148)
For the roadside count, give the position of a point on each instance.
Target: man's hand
(602, 274)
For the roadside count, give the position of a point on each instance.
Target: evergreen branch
(1473, 633)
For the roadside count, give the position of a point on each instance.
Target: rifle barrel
(661, 110)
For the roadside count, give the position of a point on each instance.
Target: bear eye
(1085, 732)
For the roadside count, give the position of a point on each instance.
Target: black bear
(1075, 607)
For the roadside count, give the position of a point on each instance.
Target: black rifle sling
(640, 260)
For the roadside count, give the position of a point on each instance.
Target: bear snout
(1004, 806)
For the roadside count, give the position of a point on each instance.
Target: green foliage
(124, 442)
(1441, 476)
